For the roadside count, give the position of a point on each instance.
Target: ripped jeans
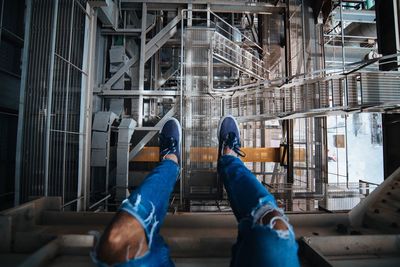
(257, 245)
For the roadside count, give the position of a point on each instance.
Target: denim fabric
(257, 245)
(149, 205)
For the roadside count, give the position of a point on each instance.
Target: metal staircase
(234, 55)
(316, 96)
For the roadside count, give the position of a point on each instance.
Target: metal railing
(230, 52)
(335, 196)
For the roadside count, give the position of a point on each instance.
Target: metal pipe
(69, 63)
(83, 9)
(101, 200)
(21, 108)
(347, 152)
(71, 202)
(43, 255)
(50, 97)
(181, 112)
(142, 63)
(9, 114)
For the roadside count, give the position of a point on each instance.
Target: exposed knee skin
(278, 224)
(268, 214)
(122, 240)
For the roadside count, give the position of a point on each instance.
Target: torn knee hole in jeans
(263, 209)
(281, 233)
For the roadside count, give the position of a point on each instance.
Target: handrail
(304, 77)
(71, 202)
(223, 21)
(101, 200)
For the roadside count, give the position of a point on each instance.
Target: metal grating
(352, 91)
(337, 92)
(380, 87)
(59, 134)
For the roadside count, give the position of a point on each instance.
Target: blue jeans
(257, 245)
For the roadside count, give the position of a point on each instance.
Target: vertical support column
(321, 152)
(85, 120)
(66, 108)
(210, 53)
(208, 16)
(387, 24)
(342, 36)
(264, 36)
(182, 71)
(21, 108)
(391, 144)
(287, 127)
(289, 141)
(303, 35)
(187, 40)
(142, 63)
(50, 97)
(1, 17)
(262, 135)
(125, 131)
(308, 152)
(347, 150)
(288, 64)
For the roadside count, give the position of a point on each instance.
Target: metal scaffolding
(272, 65)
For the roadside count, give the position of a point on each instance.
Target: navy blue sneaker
(229, 136)
(170, 138)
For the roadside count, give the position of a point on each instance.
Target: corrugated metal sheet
(65, 104)
(380, 87)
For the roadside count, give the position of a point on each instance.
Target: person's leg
(265, 238)
(133, 238)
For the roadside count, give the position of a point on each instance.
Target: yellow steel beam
(210, 154)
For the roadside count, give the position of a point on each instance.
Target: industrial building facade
(86, 86)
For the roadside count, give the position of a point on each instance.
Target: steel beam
(130, 93)
(148, 50)
(150, 135)
(119, 73)
(108, 13)
(165, 77)
(142, 63)
(360, 16)
(216, 6)
(210, 154)
(44, 255)
(388, 33)
(85, 110)
(162, 37)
